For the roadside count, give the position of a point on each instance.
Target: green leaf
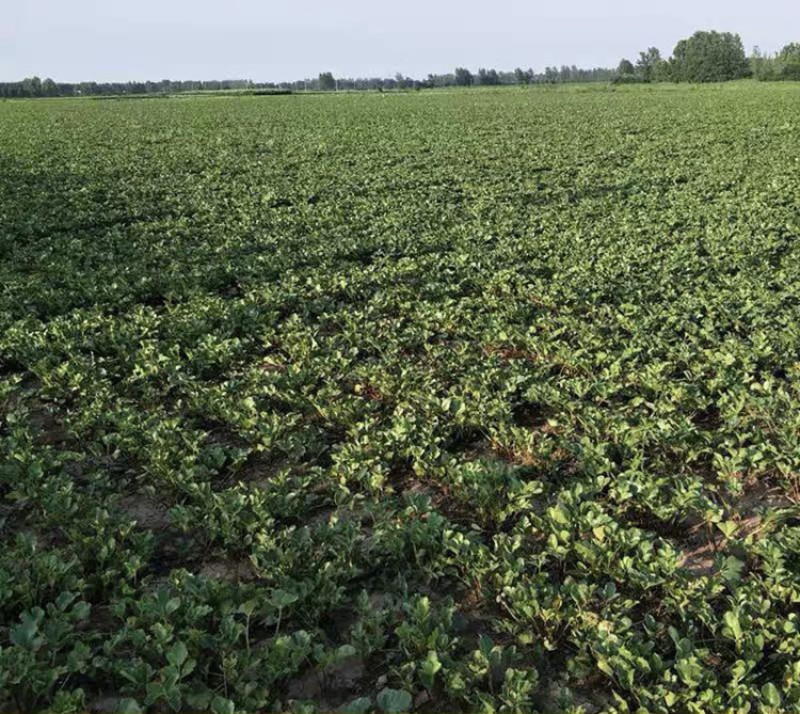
(219, 705)
(559, 514)
(128, 706)
(728, 528)
(394, 700)
(173, 605)
(731, 569)
(690, 671)
(177, 654)
(25, 634)
(345, 651)
(81, 611)
(428, 669)
(173, 696)
(771, 694)
(247, 608)
(282, 598)
(731, 620)
(604, 666)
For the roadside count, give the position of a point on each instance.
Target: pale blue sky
(268, 40)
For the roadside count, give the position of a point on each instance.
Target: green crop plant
(444, 401)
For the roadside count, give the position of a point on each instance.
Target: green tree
(464, 77)
(789, 61)
(521, 76)
(32, 87)
(625, 67)
(488, 77)
(763, 67)
(648, 63)
(327, 83)
(709, 57)
(49, 88)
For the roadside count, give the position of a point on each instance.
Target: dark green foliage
(463, 77)
(625, 68)
(783, 66)
(709, 57)
(650, 66)
(488, 77)
(522, 76)
(789, 62)
(627, 79)
(327, 83)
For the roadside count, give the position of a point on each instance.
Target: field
(445, 401)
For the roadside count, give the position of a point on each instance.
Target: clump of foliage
(709, 57)
(783, 66)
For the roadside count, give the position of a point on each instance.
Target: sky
(273, 40)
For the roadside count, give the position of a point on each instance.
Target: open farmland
(468, 401)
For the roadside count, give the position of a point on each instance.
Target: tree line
(706, 56)
(36, 87)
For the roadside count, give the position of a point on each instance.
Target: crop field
(438, 402)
